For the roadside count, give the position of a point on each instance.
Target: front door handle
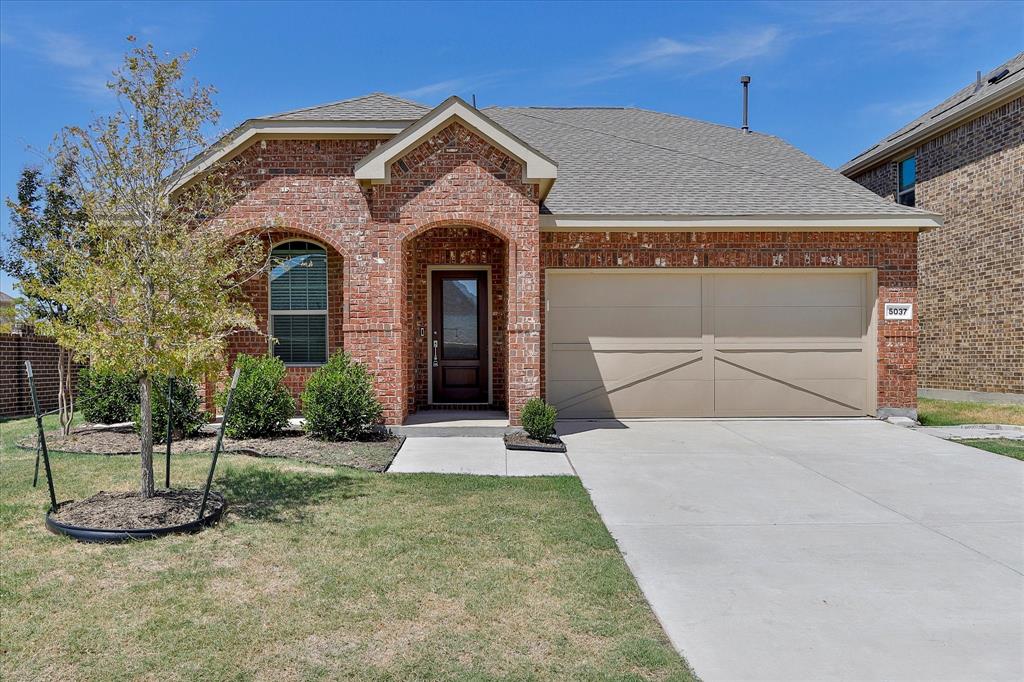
(435, 352)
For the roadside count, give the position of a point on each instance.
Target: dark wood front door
(459, 349)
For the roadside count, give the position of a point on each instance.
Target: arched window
(298, 302)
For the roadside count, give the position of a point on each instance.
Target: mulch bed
(373, 455)
(128, 511)
(520, 440)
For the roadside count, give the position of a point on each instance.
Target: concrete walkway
(968, 431)
(818, 549)
(473, 455)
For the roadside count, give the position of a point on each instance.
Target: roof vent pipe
(745, 80)
(977, 85)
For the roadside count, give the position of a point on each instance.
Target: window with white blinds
(298, 302)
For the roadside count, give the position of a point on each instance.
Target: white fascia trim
(242, 136)
(376, 167)
(555, 223)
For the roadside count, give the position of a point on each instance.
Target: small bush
(261, 405)
(539, 419)
(107, 397)
(186, 416)
(339, 402)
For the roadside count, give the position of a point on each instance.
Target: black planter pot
(113, 535)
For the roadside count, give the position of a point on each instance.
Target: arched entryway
(456, 281)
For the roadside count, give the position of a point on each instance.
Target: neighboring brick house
(964, 159)
(619, 262)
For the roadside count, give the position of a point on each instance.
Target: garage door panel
(667, 399)
(806, 397)
(619, 366)
(763, 344)
(792, 364)
(787, 325)
(791, 289)
(616, 289)
(624, 325)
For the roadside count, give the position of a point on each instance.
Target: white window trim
(271, 313)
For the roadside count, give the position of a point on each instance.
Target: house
(964, 159)
(619, 262)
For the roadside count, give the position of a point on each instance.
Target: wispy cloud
(658, 50)
(456, 86)
(431, 90)
(911, 25)
(900, 110)
(693, 56)
(85, 68)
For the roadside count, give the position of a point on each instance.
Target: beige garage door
(727, 343)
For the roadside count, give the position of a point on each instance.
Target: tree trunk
(70, 390)
(65, 406)
(146, 433)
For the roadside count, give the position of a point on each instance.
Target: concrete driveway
(816, 549)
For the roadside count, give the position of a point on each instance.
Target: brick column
(524, 322)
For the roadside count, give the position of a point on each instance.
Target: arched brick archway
(452, 245)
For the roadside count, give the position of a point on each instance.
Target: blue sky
(832, 78)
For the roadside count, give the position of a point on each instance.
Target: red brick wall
(307, 188)
(257, 290)
(453, 246)
(971, 290)
(15, 397)
(471, 206)
(893, 254)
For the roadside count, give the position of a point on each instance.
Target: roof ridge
(348, 100)
(865, 194)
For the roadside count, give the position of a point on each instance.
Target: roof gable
(376, 167)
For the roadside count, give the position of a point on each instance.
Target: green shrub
(107, 397)
(539, 419)
(261, 405)
(339, 402)
(186, 416)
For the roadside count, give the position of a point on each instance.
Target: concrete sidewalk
(480, 456)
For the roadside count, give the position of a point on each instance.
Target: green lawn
(948, 413)
(318, 573)
(1000, 446)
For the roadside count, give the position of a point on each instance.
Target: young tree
(46, 214)
(155, 288)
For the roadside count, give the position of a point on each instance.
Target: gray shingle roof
(6, 300)
(968, 96)
(632, 161)
(615, 160)
(376, 106)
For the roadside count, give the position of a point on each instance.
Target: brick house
(964, 159)
(619, 262)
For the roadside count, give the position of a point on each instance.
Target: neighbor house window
(908, 176)
(298, 302)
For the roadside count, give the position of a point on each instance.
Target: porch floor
(446, 418)
(447, 423)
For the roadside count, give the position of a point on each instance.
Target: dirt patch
(373, 455)
(128, 511)
(520, 440)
